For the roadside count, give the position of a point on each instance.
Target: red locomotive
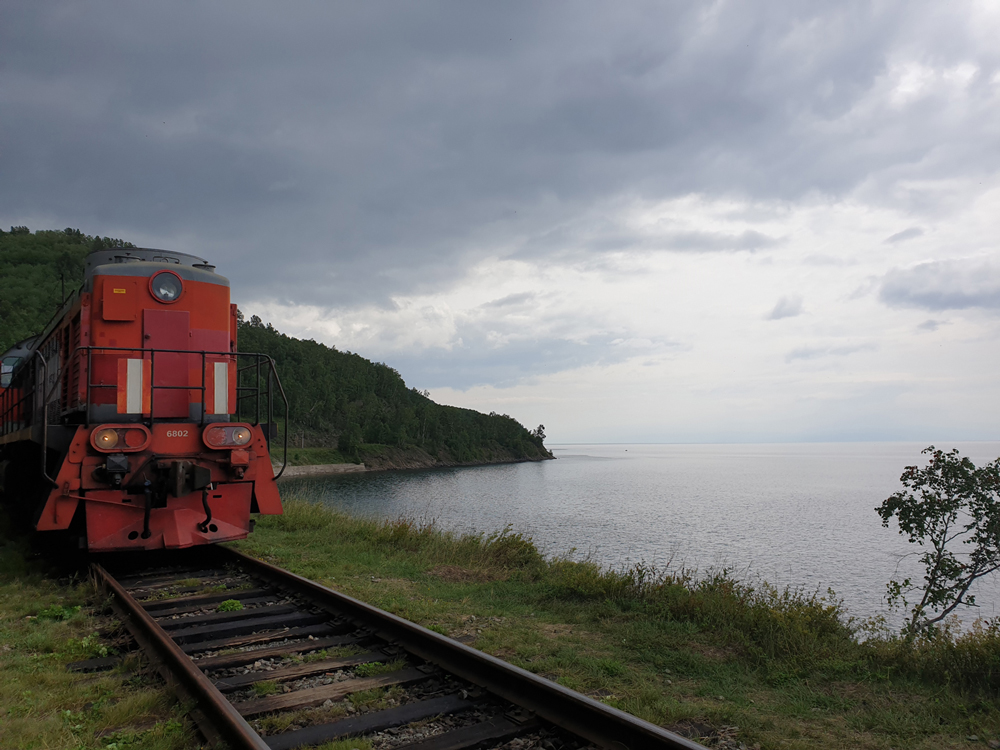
(132, 421)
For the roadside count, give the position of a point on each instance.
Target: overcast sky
(665, 221)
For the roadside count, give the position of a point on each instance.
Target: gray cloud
(354, 152)
(510, 300)
(603, 236)
(786, 307)
(906, 234)
(943, 285)
(815, 352)
(719, 241)
(474, 361)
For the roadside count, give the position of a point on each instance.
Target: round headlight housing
(166, 286)
(227, 435)
(105, 439)
(120, 438)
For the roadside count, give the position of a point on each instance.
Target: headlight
(166, 286)
(121, 438)
(106, 439)
(227, 436)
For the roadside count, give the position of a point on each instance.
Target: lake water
(793, 514)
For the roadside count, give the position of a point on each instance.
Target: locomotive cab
(155, 429)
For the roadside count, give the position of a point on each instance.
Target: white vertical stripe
(221, 388)
(133, 387)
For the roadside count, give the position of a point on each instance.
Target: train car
(131, 422)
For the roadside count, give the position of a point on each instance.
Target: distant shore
(316, 470)
(392, 459)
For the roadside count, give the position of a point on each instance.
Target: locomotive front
(156, 429)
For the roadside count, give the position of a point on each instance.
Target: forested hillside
(34, 270)
(338, 400)
(338, 393)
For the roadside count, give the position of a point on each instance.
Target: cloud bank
(514, 203)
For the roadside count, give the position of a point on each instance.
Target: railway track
(273, 660)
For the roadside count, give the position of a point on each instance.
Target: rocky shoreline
(398, 459)
(316, 470)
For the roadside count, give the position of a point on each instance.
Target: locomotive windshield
(7, 366)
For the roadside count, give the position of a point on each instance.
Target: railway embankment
(730, 662)
(727, 661)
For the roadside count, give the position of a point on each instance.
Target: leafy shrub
(89, 647)
(58, 612)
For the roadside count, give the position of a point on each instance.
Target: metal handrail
(45, 417)
(272, 370)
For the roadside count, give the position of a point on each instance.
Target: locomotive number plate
(177, 433)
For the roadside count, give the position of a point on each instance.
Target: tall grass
(786, 631)
(968, 659)
(505, 551)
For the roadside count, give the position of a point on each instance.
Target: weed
(230, 605)
(58, 612)
(352, 744)
(376, 667)
(334, 652)
(88, 647)
(369, 669)
(374, 699)
(267, 687)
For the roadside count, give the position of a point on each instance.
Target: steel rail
(590, 719)
(224, 718)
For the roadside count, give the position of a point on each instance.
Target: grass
(371, 669)
(788, 668)
(263, 689)
(709, 652)
(45, 625)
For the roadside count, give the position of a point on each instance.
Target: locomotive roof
(144, 261)
(139, 254)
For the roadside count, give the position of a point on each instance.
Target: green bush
(57, 612)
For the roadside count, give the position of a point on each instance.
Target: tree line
(37, 271)
(337, 399)
(341, 395)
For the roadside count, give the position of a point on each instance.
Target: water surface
(793, 514)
